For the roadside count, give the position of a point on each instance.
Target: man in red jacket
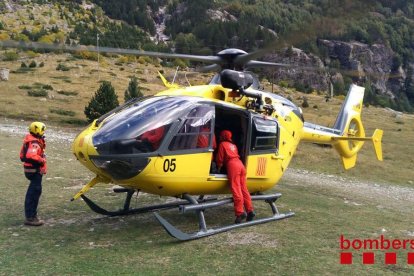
(33, 155)
(150, 141)
(228, 157)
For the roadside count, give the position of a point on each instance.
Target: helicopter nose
(112, 166)
(83, 148)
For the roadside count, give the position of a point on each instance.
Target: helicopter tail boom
(348, 134)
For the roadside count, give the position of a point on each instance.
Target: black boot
(240, 218)
(250, 216)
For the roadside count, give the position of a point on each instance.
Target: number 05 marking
(169, 165)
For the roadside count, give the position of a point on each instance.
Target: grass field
(77, 241)
(372, 199)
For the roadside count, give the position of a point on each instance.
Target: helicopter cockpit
(149, 127)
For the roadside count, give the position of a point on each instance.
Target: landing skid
(204, 231)
(126, 210)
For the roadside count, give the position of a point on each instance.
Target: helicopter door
(237, 122)
(190, 149)
(261, 161)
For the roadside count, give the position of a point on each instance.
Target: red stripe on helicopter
(261, 166)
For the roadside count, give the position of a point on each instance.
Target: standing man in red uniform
(33, 155)
(228, 157)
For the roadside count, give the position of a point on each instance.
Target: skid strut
(204, 231)
(126, 210)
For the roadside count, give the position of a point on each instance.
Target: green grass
(77, 241)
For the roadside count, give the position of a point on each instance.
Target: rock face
(220, 15)
(366, 61)
(298, 74)
(357, 61)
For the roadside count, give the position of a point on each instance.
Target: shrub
(121, 60)
(37, 93)
(33, 64)
(4, 36)
(86, 55)
(23, 65)
(62, 67)
(22, 70)
(42, 64)
(284, 84)
(32, 54)
(102, 102)
(67, 93)
(305, 103)
(47, 87)
(180, 63)
(24, 87)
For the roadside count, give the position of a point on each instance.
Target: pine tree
(133, 90)
(102, 102)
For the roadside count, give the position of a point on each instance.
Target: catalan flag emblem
(261, 166)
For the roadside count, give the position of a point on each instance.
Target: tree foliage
(134, 12)
(133, 90)
(104, 100)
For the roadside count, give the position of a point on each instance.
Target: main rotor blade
(69, 48)
(256, 63)
(209, 68)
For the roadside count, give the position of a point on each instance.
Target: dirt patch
(387, 195)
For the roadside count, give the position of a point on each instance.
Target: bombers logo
(380, 243)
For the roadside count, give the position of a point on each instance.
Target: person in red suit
(151, 140)
(228, 157)
(32, 154)
(203, 138)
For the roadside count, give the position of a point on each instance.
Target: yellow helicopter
(151, 144)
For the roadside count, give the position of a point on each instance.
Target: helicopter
(150, 144)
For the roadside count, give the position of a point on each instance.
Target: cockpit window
(264, 134)
(140, 127)
(196, 131)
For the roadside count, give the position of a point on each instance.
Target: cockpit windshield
(140, 127)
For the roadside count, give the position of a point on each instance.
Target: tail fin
(350, 108)
(348, 134)
(352, 131)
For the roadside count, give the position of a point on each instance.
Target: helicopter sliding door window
(196, 131)
(264, 135)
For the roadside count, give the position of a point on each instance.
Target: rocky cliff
(354, 61)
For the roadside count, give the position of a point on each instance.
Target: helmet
(225, 135)
(37, 128)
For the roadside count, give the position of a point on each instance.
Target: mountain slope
(206, 27)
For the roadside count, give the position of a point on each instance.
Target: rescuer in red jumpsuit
(151, 139)
(203, 142)
(203, 138)
(33, 155)
(228, 157)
